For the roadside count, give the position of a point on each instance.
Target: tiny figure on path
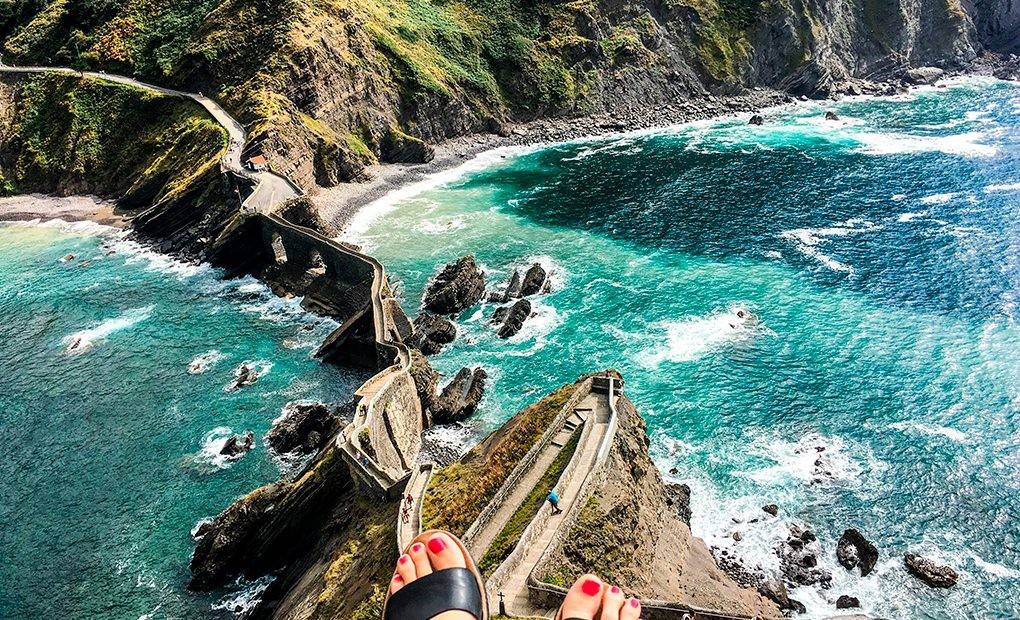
(554, 499)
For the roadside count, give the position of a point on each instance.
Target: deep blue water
(110, 453)
(881, 255)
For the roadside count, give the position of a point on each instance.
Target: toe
(612, 601)
(422, 566)
(396, 583)
(631, 609)
(583, 598)
(405, 569)
(444, 553)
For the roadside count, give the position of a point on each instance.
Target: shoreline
(342, 204)
(28, 207)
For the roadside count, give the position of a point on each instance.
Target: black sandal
(451, 589)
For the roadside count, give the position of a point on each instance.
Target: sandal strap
(452, 589)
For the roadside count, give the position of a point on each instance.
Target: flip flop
(451, 589)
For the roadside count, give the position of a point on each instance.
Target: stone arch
(279, 250)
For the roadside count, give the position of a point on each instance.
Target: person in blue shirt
(554, 499)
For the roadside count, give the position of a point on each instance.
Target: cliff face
(633, 532)
(329, 86)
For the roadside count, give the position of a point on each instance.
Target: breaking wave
(84, 340)
(692, 338)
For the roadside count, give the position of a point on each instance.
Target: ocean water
(114, 402)
(880, 257)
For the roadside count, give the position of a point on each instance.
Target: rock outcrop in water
(305, 428)
(431, 333)
(932, 573)
(854, 550)
(460, 285)
(460, 398)
(511, 318)
(237, 446)
(798, 559)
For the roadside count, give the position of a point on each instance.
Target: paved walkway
(270, 190)
(516, 587)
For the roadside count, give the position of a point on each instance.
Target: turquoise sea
(881, 256)
(111, 446)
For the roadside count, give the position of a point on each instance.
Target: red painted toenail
(397, 578)
(416, 547)
(634, 602)
(403, 559)
(591, 587)
(614, 590)
(436, 545)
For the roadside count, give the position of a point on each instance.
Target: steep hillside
(329, 86)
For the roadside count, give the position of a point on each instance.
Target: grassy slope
(457, 493)
(69, 135)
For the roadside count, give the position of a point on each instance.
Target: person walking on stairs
(554, 499)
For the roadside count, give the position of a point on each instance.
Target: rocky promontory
(457, 287)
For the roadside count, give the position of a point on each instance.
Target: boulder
(431, 333)
(924, 75)
(512, 318)
(512, 290)
(831, 116)
(238, 445)
(756, 119)
(460, 285)
(798, 559)
(306, 428)
(535, 281)
(245, 374)
(846, 601)
(933, 574)
(460, 398)
(854, 550)
(772, 509)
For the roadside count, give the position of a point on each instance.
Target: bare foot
(438, 553)
(591, 599)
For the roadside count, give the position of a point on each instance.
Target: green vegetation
(721, 35)
(506, 540)
(457, 493)
(71, 135)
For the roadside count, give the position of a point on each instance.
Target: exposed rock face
(831, 116)
(238, 445)
(245, 374)
(303, 212)
(512, 290)
(512, 319)
(535, 281)
(431, 333)
(426, 379)
(854, 549)
(933, 574)
(924, 75)
(846, 601)
(775, 590)
(771, 509)
(756, 119)
(398, 147)
(460, 285)
(460, 397)
(678, 497)
(798, 559)
(305, 427)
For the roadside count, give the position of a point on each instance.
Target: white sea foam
(204, 361)
(435, 227)
(209, 457)
(992, 568)
(813, 459)
(1003, 187)
(81, 341)
(965, 144)
(691, 338)
(939, 199)
(555, 272)
(257, 370)
(930, 430)
(543, 320)
(245, 598)
(809, 240)
(898, 197)
(910, 216)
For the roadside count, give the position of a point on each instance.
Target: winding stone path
(270, 190)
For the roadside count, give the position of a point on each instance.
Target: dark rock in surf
(460, 398)
(756, 119)
(512, 290)
(244, 375)
(924, 75)
(772, 509)
(238, 445)
(854, 550)
(305, 428)
(513, 318)
(831, 116)
(460, 285)
(678, 496)
(536, 281)
(933, 574)
(431, 333)
(846, 601)
(798, 559)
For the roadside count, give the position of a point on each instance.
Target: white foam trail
(81, 341)
(809, 240)
(204, 361)
(930, 430)
(244, 600)
(939, 199)
(691, 338)
(1003, 187)
(911, 216)
(435, 227)
(212, 445)
(998, 570)
(965, 144)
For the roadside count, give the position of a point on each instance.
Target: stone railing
(538, 524)
(527, 462)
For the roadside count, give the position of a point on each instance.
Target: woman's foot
(591, 599)
(437, 553)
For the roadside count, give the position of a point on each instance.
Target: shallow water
(881, 256)
(113, 407)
